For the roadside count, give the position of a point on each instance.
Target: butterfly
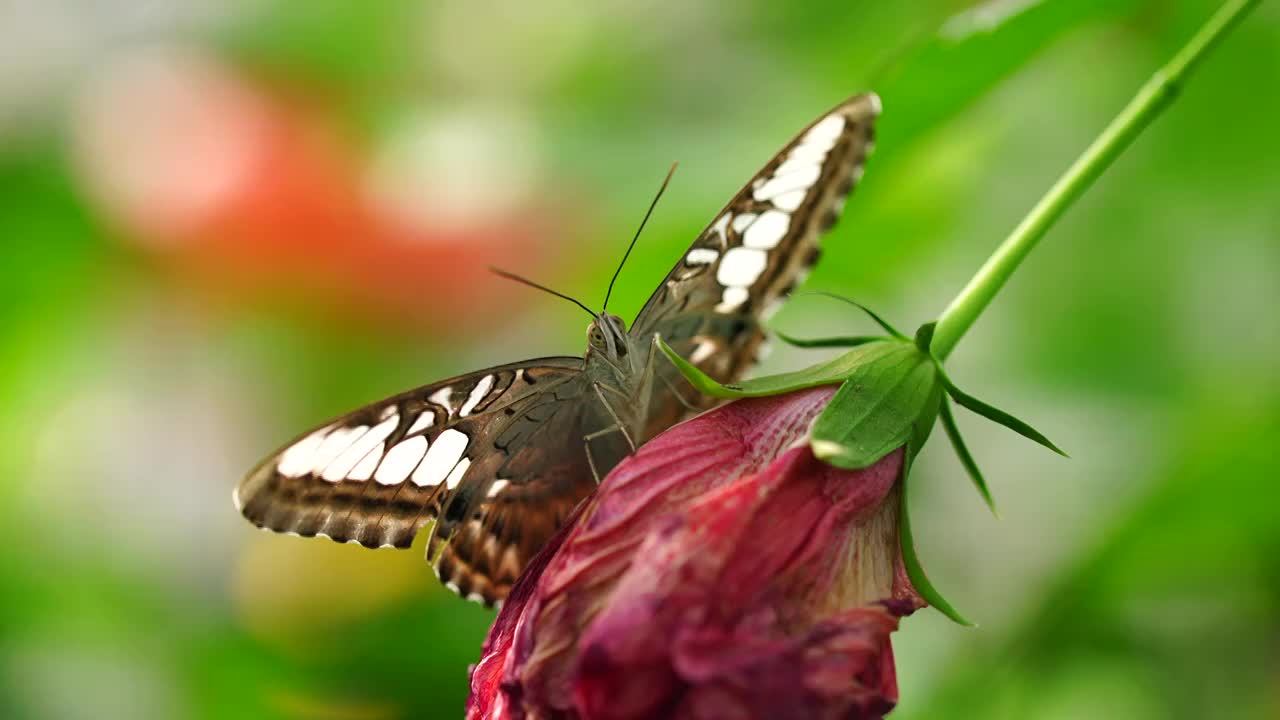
(496, 460)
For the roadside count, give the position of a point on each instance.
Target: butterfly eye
(596, 338)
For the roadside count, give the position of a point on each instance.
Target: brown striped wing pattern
(494, 458)
(711, 305)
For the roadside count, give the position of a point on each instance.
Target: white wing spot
(443, 398)
(801, 179)
(763, 234)
(424, 421)
(705, 349)
(364, 469)
(401, 461)
(459, 470)
(338, 440)
(478, 394)
(498, 486)
(741, 265)
(476, 597)
(733, 299)
(825, 133)
(808, 154)
(701, 256)
(346, 462)
(743, 221)
(443, 454)
(796, 162)
(299, 458)
(720, 224)
(791, 200)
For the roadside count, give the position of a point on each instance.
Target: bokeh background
(223, 222)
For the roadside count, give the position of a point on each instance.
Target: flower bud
(721, 571)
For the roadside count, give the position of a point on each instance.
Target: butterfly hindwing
(527, 480)
(377, 475)
(710, 307)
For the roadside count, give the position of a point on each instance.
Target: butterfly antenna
(526, 281)
(652, 205)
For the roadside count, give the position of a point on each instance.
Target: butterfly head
(607, 335)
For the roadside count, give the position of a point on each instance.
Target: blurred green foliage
(1140, 579)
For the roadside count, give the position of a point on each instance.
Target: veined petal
(720, 571)
(723, 588)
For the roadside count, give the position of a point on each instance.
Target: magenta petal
(715, 577)
(840, 668)
(721, 571)
(487, 698)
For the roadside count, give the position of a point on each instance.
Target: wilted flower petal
(721, 571)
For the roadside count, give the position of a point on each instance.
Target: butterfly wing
(711, 305)
(495, 458)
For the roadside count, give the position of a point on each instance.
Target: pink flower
(720, 572)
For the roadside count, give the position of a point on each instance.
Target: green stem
(1154, 97)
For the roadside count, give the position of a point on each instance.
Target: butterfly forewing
(376, 476)
(711, 305)
(499, 458)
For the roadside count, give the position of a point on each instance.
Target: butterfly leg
(618, 425)
(649, 365)
(586, 443)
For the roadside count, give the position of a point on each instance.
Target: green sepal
(827, 373)
(911, 561)
(966, 459)
(924, 338)
(849, 341)
(884, 404)
(870, 313)
(995, 414)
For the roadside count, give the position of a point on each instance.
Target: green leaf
(878, 320)
(877, 409)
(827, 373)
(848, 341)
(995, 414)
(911, 561)
(966, 459)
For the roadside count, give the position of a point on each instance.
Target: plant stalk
(1152, 98)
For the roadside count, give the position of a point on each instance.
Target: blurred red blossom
(246, 184)
(720, 572)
